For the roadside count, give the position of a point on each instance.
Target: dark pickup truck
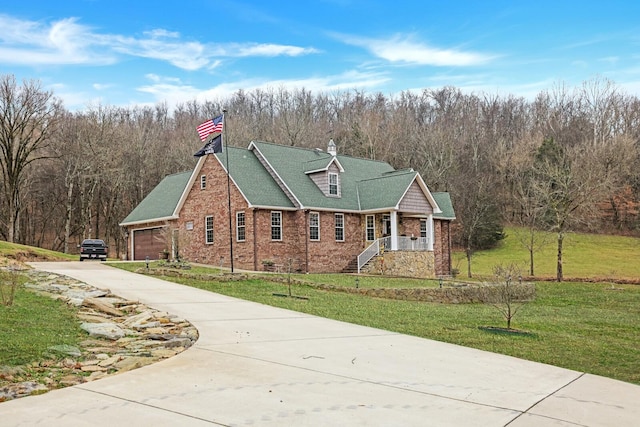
(93, 248)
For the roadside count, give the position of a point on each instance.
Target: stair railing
(367, 254)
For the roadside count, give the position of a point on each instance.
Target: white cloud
(101, 86)
(61, 42)
(163, 90)
(403, 49)
(68, 42)
(272, 50)
(188, 56)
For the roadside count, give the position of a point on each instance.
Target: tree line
(561, 162)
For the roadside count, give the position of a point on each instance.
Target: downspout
(255, 240)
(306, 241)
(449, 248)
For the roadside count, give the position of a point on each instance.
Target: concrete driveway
(256, 365)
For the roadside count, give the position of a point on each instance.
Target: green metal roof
(161, 202)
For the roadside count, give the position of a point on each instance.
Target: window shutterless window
(333, 184)
(314, 226)
(276, 225)
(423, 228)
(240, 226)
(371, 228)
(339, 218)
(203, 182)
(208, 229)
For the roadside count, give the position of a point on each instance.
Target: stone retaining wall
(465, 294)
(451, 293)
(420, 264)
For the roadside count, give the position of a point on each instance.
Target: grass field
(588, 327)
(584, 256)
(33, 324)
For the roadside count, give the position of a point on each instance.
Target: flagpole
(226, 150)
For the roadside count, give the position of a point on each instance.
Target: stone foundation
(419, 264)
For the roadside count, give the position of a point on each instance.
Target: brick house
(304, 209)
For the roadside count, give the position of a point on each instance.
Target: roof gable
(322, 165)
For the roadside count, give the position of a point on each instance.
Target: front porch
(403, 244)
(399, 256)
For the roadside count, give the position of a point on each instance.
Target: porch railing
(407, 243)
(404, 244)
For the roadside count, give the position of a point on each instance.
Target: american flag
(210, 126)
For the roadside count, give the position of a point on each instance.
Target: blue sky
(127, 53)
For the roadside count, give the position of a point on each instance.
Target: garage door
(147, 243)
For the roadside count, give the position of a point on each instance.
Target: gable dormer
(325, 173)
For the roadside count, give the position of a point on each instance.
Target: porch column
(430, 232)
(394, 231)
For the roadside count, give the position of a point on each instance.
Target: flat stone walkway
(256, 365)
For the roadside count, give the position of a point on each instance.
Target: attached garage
(148, 243)
(145, 225)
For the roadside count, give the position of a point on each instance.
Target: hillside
(586, 256)
(14, 252)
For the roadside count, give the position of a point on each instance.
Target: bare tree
(28, 118)
(568, 180)
(509, 296)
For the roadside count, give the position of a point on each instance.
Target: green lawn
(21, 252)
(587, 327)
(584, 255)
(33, 324)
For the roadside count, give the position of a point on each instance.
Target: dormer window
(333, 184)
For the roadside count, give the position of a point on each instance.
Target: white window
(371, 228)
(189, 225)
(339, 218)
(423, 228)
(314, 226)
(240, 226)
(208, 229)
(203, 182)
(333, 184)
(276, 225)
